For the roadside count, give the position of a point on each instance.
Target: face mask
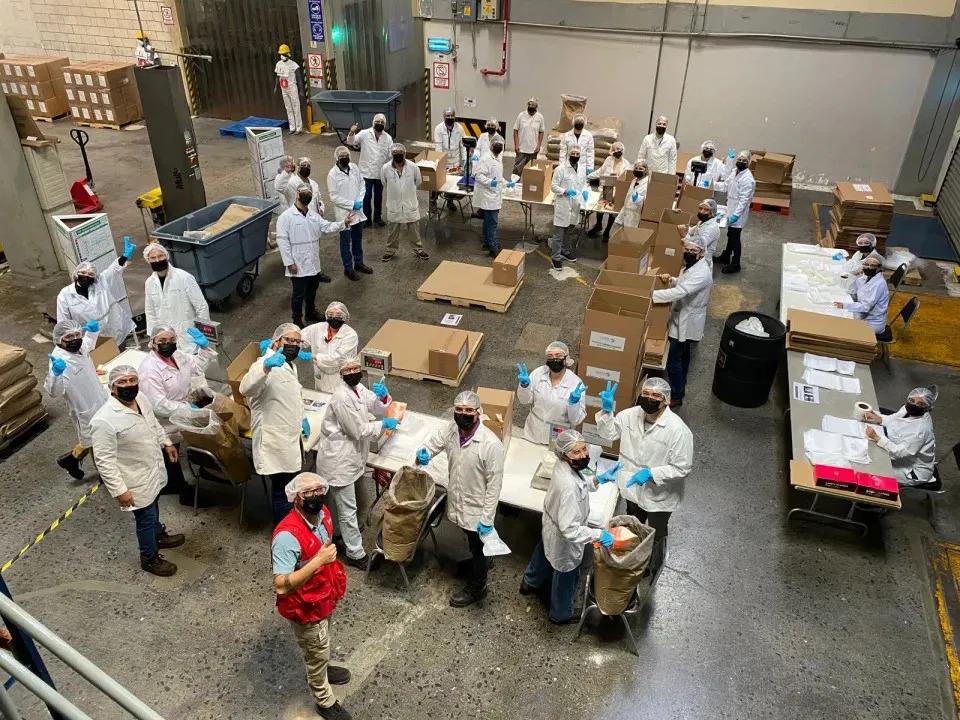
(72, 345)
(870, 271)
(398, 158)
(661, 130)
(284, 57)
(638, 173)
(865, 249)
(618, 154)
(741, 166)
(290, 352)
(531, 109)
(159, 265)
(648, 405)
(703, 216)
(464, 421)
(352, 379)
(574, 160)
(127, 393)
(304, 172)
(167, 349)
(578, 127)
(305, 198)
(378, 127)
(556, 364)
(689, 259)
(914, 410)
(343, 163)
(335, 322)
(84, 281)
(491, 130)
(312, 505)
(579, 463)
(707, 154)
(449, 121)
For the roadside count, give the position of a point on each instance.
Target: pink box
(835, 478)
(877, 486)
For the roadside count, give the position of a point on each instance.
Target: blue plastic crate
(239, 128)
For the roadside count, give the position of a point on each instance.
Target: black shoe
(337, 675)
(368, 224)
(365, 269)
(72, 465)
(723, 258)
(527, 589)
(313, 315)
(594, 231)
(388, 256)
(557, 265)
(421, 254)
(323, 277)
(360, 562)
(298, 322)
(493, 253)
(158, 566)
(166, 541)
(379, 223)
(351, 274)
(467, 597)
(569, 258)
(563, 622)
(334, 712)
(730, 269)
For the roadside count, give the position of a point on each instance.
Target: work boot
(365, 269)
(165, 540)
(351, 275)
(334, 712)
(594, 231)
(158, 566)
(730, 269)
(337, 675)
(527, 589)
(360, 562)
(323, 277)
(71, 464)
(467, 597)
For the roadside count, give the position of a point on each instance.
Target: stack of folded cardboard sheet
(841, 338)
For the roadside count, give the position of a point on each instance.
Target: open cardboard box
(691, 196)
(104, 351)
(498, 411)
(629, 249)
(433, 169)
(536, 178)
(237, 369)
(614, 321)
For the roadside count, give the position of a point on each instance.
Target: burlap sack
(617, 574)
(18, 389)
(234, 416)
(19, 406)
(570, 106)
(16, 425)
(11, 375)
(202, 429)
(405, 506)
(10, 355)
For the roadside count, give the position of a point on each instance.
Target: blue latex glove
(635, 197)
(92, 326)
(606, 539)
(609, 475)
(493, 182)
(194, 406)
(264, 345)
(523, 377)
(423, 457)
(838, 256)
(589, 171)
(731, 153)
(275, 361)
(585, 195)
(128, 247)
(474, 157)
(484, 529)
(641, 477)
(58, 366)
(734, 218)
(705, 183)
(576, 394)
(199, 339)
(511, 184)
(390, 423)
(305, 427)
(305, 355)
(380, 389)
(357, 204)
(606, 396)
(571, 193)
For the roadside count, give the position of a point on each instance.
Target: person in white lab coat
(690, 295)
(488, 194)
(581, 138)
(569, 186)
(487, 139)
(172, 297)
(331, 342)
(448, 138)
(282, 180)
(475, 461)
(706, 232)
(871, 297)
(715, 169)
(528, 130)
(167, 375)
(345, 435)
(286, 72)
(629, 215)
(656, 454)
(612, 167)
(866, 246)
(128, 449)
(301, 178)
(374, 144)
(564, 533)
(73, 377)
(347, 190)
(101, 297)
(739, 185)
(907, 435)
(272, 390)
(401, 179)
(659, 149)
(298, 238)
(554, 393)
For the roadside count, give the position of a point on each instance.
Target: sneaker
(72, 465)
(557, 265)
(158, 566)
(569, 258)
(351, 275)
(467, 597)
(360, 562)
(365, 269)
(334, 712)
(337, 675)
(730, 269)
(387, 257)
(527, 589)
(323, 277)
(421, 254)
(166, 541)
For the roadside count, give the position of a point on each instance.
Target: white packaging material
(830, 381)
(752, 326)
(493, 545)
(829, 364)
(895, 257)
(843, 426)
(817, 443)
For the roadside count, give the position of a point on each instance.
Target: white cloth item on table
(843, 426)
(795, 281)
(817, 442)
(752, 326)
(831, 381)
(829, 364)
(809, 249)
(829, 459)
(493, 544)
(827, 296)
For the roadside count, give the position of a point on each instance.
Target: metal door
(948, 200)
(242, 36)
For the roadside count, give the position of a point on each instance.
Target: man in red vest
(309, 580)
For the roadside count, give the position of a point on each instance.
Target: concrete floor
(752, 618)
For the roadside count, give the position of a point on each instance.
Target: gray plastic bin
(343, 108)
(225, 262)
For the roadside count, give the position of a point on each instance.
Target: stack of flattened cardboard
(842, 338)
(38, 80)
(774, 175)
(102, 92)
(20, 401)
(859, 208)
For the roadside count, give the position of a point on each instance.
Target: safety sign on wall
(315, 70)
(315, 12)
(166, 14)
(441, 75)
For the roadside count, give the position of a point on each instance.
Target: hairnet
(579, 117)
(744, 155)
(286, 160)
(694, 240)
(616, 146)
(467, 398)
(398, 147)
(574, 149)
(154, 248)
(303, 482)
(120, 372)
(283, 329)
(303, 162)
(352, 361)
(876, 257)
(532, 100)
(84, 268)
(450, 111)
(657, 385)
(342, 151)
(640, 165)
(710, 203)
(64, 328)
(493, 121)
(867, 238)
(561, 346)
(380, 116)
(338, 306)
(567, 440)
(662, 118)
(157, 329)
(708, 145)
(927, 395)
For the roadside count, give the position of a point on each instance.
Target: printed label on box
(43, 107)
(603, 373)
(103, 80)
(5, 91)
(23, 89)
(861, 188)
(69, 94)
(607, 342)
(670, 252)
(89, 79)
(18, 71)
(592, 400)
(109, 115)
(75, 111)
(6, 69)
(82, 95)
(97, 114)
(30, 71)
(29, 104)
(533, 188)
(105, 97)
(644, 264)
(86, 113)
(35, 91)
(95, 98)
(67, 76)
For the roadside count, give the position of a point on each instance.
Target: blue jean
(148, 527)
(278, 494)
(351, 246)
(374, 192)
(563, 591)
(678, 364)
(490, 220)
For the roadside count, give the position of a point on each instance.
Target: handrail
(38, 687)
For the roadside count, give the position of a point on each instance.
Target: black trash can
(747, 364)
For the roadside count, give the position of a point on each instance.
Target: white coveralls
(106, 302)
(177, 302)
(329, 356)
(629, 215)
(286, 72)
(912, 447)
(550, 404)
(81, 387)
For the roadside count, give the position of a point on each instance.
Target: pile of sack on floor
(606, 130)
(20, 401)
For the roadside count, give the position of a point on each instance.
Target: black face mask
(335, 322)
(72, 346)
(579, 464)
(661, 131)
(398, 158)
(127, 393)
(312, 505)
(290, 352)
(343, 163)
(703, 217)
(491, 131)
(574, 161)
(707, 154)
(167, 349)
(556, 365)
(532, 109)
(464, 421)
(914, 410)
(741, 166)
(83, 282)
(449, 122)
(379, 127)
(690, 259)
(618, 154)
(352, 379)
(638, 174)
(648, 405)
(159, 265)
(305, 198)
(870, 271)
(865, 249)
(304, 172)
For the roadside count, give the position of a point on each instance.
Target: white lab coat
(584, 142)
(565, 511)
(293, 187)
(276, 414)
(629, 215)
(329, 356)
(450, 141)
(566, 211)
(81, 387)
(715, 170)
(871, 298)
(659, 152)
(550, 405)
(666, 448)
(177, 302)
(707, 234)
(475, 474)
(280, 183)
(167, 387)
(374, 152)
(611, 167)
(345, 188)
(485, 141)
(401, 203)
(739, 187)
(346, 432)
(912, 447)
(105, 303)
(298, 238)
(489, 168)
(128, 450)
(853, 265)
(690, 295)
(528, 128)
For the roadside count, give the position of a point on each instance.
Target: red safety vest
(317, 598)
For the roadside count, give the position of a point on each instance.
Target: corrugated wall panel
(948, 201)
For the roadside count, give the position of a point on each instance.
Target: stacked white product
(266, 149)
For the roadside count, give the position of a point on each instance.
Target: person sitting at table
(331, 342)
(907, 435)
(871, 297)
(554, 392)
(613, 166)
(866, 246)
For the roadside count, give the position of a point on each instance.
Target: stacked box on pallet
(102, 93)
(38, 80)
(774, 175)
(859, 208)
(21, 405)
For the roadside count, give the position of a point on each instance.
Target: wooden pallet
(468, 303)
(41, 118)
(450, 382)
(780, 206)
(102, 125)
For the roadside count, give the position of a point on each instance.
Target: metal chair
(896, 278)
(431, 523)
(935, 487)
(204, 465)
(906, 314)
(381, 481)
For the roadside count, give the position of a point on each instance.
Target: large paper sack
(617, 574)
(203, 429)
(405, 506)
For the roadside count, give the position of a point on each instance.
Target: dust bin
(747, 364)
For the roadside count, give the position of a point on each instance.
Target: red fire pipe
(503, 58)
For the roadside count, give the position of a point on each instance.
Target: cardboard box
(682, 159)
(51, 107)
(629, 283)
(508, 267)
(775, 168)
(433, 170)
(691, 197)
(498, 411)
(590, 432)
(237, 369)
(614, 321)
(595, 375)
(660, 197)
(877, 486)
(621, 188)
(448, 356)
(536, 178)
(629, 249)
(835, 478)
(104, 351)
(668, 243)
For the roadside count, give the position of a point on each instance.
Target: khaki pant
(314, 643)
(80, 452)
(395, 229)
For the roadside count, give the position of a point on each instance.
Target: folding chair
(935, 487)
(906, 314)
(431, 523)
(381, 481)
(204, 465)
(896, 278)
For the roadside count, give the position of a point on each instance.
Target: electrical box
(425, 8)
(464, 9)
(488, 9)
